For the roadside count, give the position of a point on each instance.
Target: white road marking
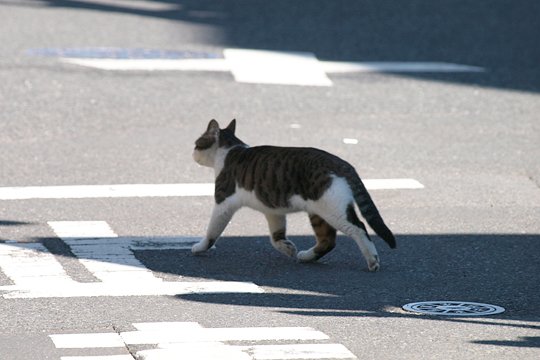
(118, 289)
(171, 326)
(91, 340)
(154, 190)
(276, 67)
(106, 191)
(36, 273)
(392, 184)
(110, 260)
(218, 350)
(297, 351)
(194, 351)
(216, 65)
(190, 341)
(350, 141)
(272, 67)
(197, 335)
(31, 265)
(104, 357)
(396, 67)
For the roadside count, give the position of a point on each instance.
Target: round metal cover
(453, 308)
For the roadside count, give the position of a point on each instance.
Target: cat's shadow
(465, 267)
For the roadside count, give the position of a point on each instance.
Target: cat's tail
(370, 213)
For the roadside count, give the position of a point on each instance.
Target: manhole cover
(453, 308)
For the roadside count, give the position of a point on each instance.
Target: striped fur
(280, 180)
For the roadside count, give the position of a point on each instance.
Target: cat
(280, 180)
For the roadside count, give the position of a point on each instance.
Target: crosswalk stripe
(103, 357)
(156, 190)
(191, 341)
(255, 352)
(221, 334)
(297, 351)
(112, 261)
(31, 265)
(91, 340)
(36, 273)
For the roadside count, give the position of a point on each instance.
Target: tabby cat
(281, 180)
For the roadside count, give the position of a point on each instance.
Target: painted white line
(82, 229)
(276, 67)
(350, 141)
(208, 351)
(257, 352)
(167, 326)
(106, 191)
(216, 65)
(31, 265)
(297, 351)
(37, 274)
(191, 341)
(221, 334)
(109, 262)
(398, 67)
(119, 289)
(392, 184)
(153, 190)
(103, 357)
(91, 340)
(246, 63)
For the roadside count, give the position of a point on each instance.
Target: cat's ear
(213, 128)
(232, 126)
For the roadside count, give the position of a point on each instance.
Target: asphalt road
(471, 234)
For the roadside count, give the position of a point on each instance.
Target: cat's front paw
(199, 248)
(374, 265)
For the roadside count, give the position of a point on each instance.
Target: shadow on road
(496, 269)
(498, 35)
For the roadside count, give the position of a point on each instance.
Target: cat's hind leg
(326, 240)
(278, 226)
(346, 221)
(221, 215)
(364, 242)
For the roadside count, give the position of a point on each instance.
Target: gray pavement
(472, 234)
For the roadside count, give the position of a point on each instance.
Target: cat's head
(212, 141)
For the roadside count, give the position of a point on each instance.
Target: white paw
(285, 247)
(373, 265)
(199, 247)
(306, 256)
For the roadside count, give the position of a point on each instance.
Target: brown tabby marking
(325, 234)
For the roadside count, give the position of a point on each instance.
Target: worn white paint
(90, 340)
(191, 341)
(273, 67)
(190, 335)
(36, 273)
